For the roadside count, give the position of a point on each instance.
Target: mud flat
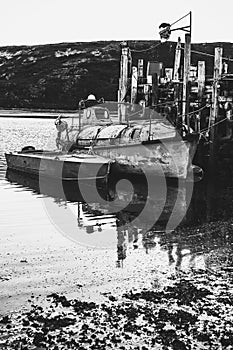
(77, 300)
(194, 311)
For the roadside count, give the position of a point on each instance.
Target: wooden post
(176, 81)
(130, 61)
(201, 79)
(146, 88)
(140, 71)
(123, 81)
(79, 120)
(187, 60)
(225, 68)
(214, 109)
(154, 89)
(134, 85)
(177, 61)
(148, 74)
(201, 90)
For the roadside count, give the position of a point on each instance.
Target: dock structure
(185, 94)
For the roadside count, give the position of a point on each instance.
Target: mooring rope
(213, 125)
(194, 112)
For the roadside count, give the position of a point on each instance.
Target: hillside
(59, 75)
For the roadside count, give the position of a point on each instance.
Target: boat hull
(153, 148)
(171, 159)
(67, 167)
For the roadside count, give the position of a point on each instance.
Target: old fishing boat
(58, 164)
(140, 144)
(95, 143)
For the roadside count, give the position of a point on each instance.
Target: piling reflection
(187, 247)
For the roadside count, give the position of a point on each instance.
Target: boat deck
(74, 157)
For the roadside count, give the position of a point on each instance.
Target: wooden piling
(146, 89)
(130, 62)
(123, 81)
(214, 107)
(187, 61)
(201, 80)
(155, 88)
(177, 61)
(134, 84)
(176, 81)
(201, 90)
(140, 71)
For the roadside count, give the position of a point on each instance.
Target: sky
(32, 22)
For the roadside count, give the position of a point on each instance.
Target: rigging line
(211, 126)
(148, 49)
(211, 55)
(164, 103)
(157, 105)
(160, 104)
(194, 112)
(180, 19)
(208, 54)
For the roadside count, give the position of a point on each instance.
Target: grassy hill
(59, 75)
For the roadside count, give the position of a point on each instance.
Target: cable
(211, 126)
(182, 48)
(164, 103)
(148, 49)
(194, 112)
(188, 14)
(208, 54)
(198, 110)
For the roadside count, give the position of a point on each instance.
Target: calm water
(126, 220)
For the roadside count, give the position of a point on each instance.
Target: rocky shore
(192, 311)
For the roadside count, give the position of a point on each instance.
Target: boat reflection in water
(125, 217)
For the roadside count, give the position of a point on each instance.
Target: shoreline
(46, 114)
